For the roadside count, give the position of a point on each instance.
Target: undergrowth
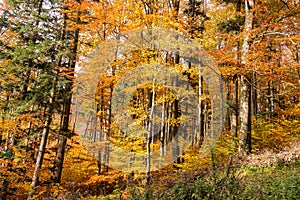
(269, 182)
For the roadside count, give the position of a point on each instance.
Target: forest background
(255, 44)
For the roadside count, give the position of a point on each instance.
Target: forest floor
(263, 175)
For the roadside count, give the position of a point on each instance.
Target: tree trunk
(60, 158)
(245, 132)
(67, 109)
(150, 132)
(298, 61)
(48, 114)
(45, 133)
(235, 110)
(174, 130)
(234, 126)
(162, 129)
(99, 164)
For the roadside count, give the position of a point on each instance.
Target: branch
(266, 33)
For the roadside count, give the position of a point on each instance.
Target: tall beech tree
(251, 43)
(245, 102)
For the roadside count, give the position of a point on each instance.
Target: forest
(149, 99)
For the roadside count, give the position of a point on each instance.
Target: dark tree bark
(68, 102)
(42, 147)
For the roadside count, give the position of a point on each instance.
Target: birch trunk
(150, 134)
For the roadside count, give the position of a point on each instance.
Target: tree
(254, 52)
(40, 59)
(73, 36)
(245, 110)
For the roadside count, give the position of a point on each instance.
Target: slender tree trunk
(45, 133)
(60, 158)
(99, 164)
(150, 133)
(99, 159)
(174, 127)
(244, 145)
(245, 132)
(235, 108)
(298, 61)
(228, 101)
(175, 146)
(162, 129)
(254, 96)
(6, 141)
(235, 81)
(1, 133)
(200, 111)
(67, 109)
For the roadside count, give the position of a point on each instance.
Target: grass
(269, 182)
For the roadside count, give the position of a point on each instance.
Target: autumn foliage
(47, 48)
